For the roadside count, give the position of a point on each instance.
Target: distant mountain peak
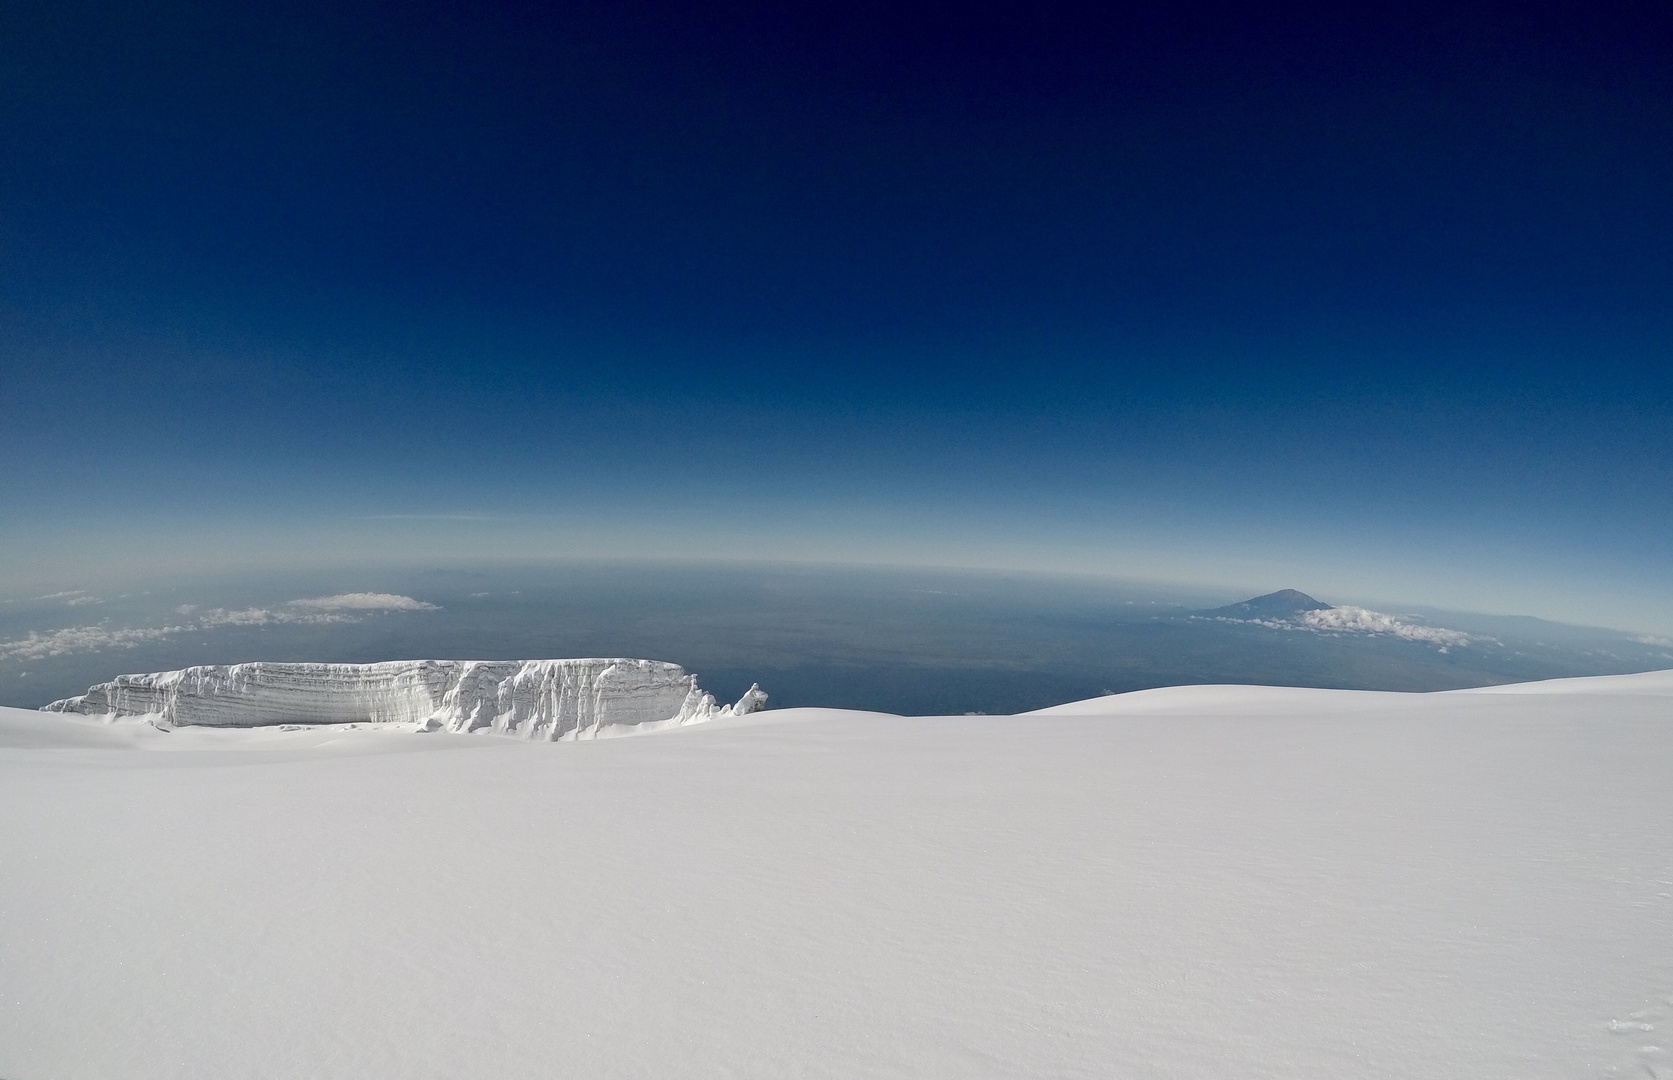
(1275, 605)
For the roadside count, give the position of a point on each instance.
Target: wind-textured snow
(533, 699)
(1254, 882)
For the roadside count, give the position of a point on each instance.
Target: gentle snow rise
(532, 699)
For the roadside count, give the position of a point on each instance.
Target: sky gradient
(1377, 306)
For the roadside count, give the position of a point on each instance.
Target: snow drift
(532, 699)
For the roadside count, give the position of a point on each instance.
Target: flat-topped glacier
(532, 699)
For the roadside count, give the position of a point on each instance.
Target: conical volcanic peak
(1282, 604)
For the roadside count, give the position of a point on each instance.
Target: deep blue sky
(1376, 305)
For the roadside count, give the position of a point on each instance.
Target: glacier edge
(544, 700)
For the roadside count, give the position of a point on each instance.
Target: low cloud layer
(1360, 620)
(72, 597)
(363, 601)
(82, 639)
(1357, 620)
(343, 608)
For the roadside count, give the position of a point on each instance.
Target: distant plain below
(909, 641)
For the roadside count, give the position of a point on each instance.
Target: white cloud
(244, 617)
(81, 639)
(364, 601)
(72, 597)
(1358, 619)
(265, 616)
(324, 609)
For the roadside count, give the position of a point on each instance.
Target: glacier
(544, 700)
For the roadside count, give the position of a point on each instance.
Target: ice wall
(531, 699)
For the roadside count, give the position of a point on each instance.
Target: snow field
(1168, 884)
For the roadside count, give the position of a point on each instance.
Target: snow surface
(1196, 882)
(534, 699)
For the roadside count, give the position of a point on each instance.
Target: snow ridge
(543, 700)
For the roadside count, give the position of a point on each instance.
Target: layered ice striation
(531, 699)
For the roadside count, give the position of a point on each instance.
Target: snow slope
(1205, 881)
(534, 699)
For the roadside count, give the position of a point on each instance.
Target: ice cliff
(531, 699)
